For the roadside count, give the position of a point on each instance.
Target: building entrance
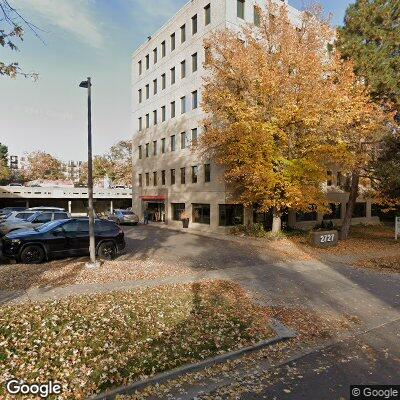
(155, 207)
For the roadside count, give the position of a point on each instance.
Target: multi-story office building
(72, 170)
(167, 80)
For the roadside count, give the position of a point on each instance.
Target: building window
(173, 110)
(240, 8)
(147, 91)
(163, 114)
(163, 49)
(172, 177)
(163, 178)
(201, 213)
(140, 152)
(173, 42)
(329, 178)
(194, 62)
(194, 24)
(257, 17)
(147, 179)
(183, 69)
(147, 120)
(306, 216)
(207, 173)
(140, 124)
(155, 56)
(335, 211)
(163, 145)
(147, 61)
(147, 149)
(183, 33)
(194, 100)
(360, 210)
(183, 140)
(183, 175)
(173, 143)
(163, 81)
(183, 105)
(230, 214)
(194, 135)
(154, 147)
(140, 180)
(140, 67)
(207, 14)
(173, 77)
(155, 178)
(155, 86)
(177, 210)
(195, 173)
(155, 117)
(140, 95)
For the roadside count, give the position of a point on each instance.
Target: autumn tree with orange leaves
(281, 108)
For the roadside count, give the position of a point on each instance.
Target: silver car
(124, 217)
(16, 216)
(36, 219)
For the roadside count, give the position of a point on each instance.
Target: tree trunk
(354, 188)
(276, 221)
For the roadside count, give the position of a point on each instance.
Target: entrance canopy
(152, 198)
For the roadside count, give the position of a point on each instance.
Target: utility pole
(92, 246)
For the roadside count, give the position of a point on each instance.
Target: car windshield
(127, 212)
(32, 217)
(47, 226)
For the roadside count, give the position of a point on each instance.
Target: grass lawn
(94, 342)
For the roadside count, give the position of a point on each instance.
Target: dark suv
(63, 238)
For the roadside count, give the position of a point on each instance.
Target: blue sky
(82, 38)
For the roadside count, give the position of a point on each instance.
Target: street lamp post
(92, 246)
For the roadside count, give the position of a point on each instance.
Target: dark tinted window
(60, 216)
(71, 226)
(42, 218)
(105, 226)
(23, 215)
(83, 226)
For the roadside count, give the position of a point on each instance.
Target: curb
(283, 333)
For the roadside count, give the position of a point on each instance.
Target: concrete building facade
(167, 80)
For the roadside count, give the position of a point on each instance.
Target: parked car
(46, 209)
(36, 219)
(123, 217)
(63, 238)
(16, 216)
(6, 210)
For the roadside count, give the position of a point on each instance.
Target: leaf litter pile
(94, 342)
(253, 373)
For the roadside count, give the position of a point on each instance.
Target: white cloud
(74, 16)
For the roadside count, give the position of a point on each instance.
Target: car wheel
(107, 251)
(32, 255)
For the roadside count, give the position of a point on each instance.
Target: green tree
(385, 169)
(371, 39)
(5, 173)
